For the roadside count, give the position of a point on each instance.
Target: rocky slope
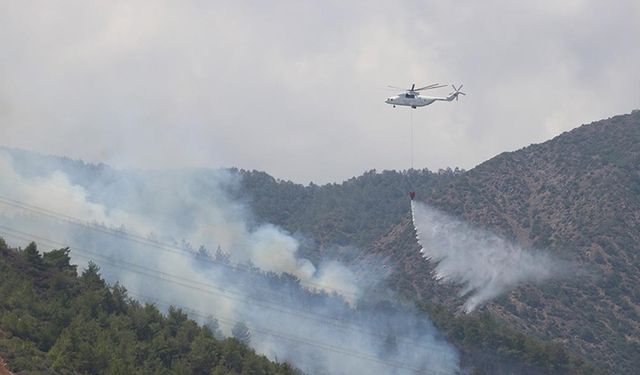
(3, 368)
(576, 196)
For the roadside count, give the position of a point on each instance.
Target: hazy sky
(297, 88)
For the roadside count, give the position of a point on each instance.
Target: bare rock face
(4, 370)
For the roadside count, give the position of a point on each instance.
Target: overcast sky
(297, 88)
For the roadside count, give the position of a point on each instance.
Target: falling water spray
(484, 264)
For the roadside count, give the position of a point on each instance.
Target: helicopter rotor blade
(414, 89)
(428, 86)
(434, 86)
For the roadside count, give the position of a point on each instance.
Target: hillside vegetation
(576, 196)
(53, 321)
(353, 213)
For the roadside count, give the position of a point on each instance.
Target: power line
(306, 341)
(203, 287)
(188, 283)
(206, 288)
(144, 240)
(176, 250)
(265, 331)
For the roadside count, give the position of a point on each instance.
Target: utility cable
(306, 341)
(145, 241)
(209, 288)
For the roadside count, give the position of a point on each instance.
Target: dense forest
(53, 320)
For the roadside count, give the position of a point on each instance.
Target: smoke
(177, 238)
(485, 264)
(220, 223)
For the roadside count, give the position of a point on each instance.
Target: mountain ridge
(576, 196)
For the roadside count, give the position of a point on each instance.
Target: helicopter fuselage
(413, 100)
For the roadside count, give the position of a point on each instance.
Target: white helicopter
(412, 98)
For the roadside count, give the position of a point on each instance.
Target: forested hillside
(53, 321)
(576, 196)
(353, 213)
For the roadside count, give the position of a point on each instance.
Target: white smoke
(145, 229)
(485, 264)
(221, 223)
(54, 192)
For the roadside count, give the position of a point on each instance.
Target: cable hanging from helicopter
(412, 98)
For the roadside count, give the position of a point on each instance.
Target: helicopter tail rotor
(456, 92)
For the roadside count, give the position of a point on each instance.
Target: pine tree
(240, 332)
(32, 256)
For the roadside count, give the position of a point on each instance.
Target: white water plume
(484, 264)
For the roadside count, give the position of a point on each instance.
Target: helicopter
(412, 98)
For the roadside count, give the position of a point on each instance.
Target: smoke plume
(484, 264)
(177, 238)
